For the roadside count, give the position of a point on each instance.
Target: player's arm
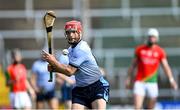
(130, 72)
(65, 78)
(56, 66)
(132, 68)
(33, 80)
(168, 73)
(30, 89)
(8, 80)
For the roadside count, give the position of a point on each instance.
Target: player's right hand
(33, 94)
(128, 84)
(174, 84)
(50, 68)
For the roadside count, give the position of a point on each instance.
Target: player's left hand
(51, 68)
(32, 94)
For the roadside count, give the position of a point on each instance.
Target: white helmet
(153, 32)
(65, 52)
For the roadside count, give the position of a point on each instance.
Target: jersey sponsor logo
(143, 52)
(149, 53)
(149, 57)
(149, 61)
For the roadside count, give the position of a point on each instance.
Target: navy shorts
(86, 95)
(45, 96)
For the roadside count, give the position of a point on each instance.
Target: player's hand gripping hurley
(49, 19)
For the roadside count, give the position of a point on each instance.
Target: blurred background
(112, 28)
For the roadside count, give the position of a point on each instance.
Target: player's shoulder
(37, 62)
(159, 48)
(36, 65)
(141, 46)
(83, 46)
(22, 65)
(10, 67)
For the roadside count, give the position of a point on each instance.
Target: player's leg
(66, 92)
(77, 106)
(53, 103)
(39, 101)
(138, 101)
(139, 93)
(52, 100)
(151, 103)
(68, 104)
(101, 94)
(152, 93)
(39, 104)
(99, 104)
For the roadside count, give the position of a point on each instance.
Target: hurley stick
(49, 19)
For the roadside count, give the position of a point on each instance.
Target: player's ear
(80, 34)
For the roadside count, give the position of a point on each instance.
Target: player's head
(73, 31)
(152, 36)
(16, 56)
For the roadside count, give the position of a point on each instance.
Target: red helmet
(73, 25)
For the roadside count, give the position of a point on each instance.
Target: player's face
(17, 58)
(152, 40)
(73, 36)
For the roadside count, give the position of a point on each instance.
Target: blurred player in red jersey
(17, 80)
(147, 59)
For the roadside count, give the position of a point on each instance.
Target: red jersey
(148, 60)
(17, 73)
